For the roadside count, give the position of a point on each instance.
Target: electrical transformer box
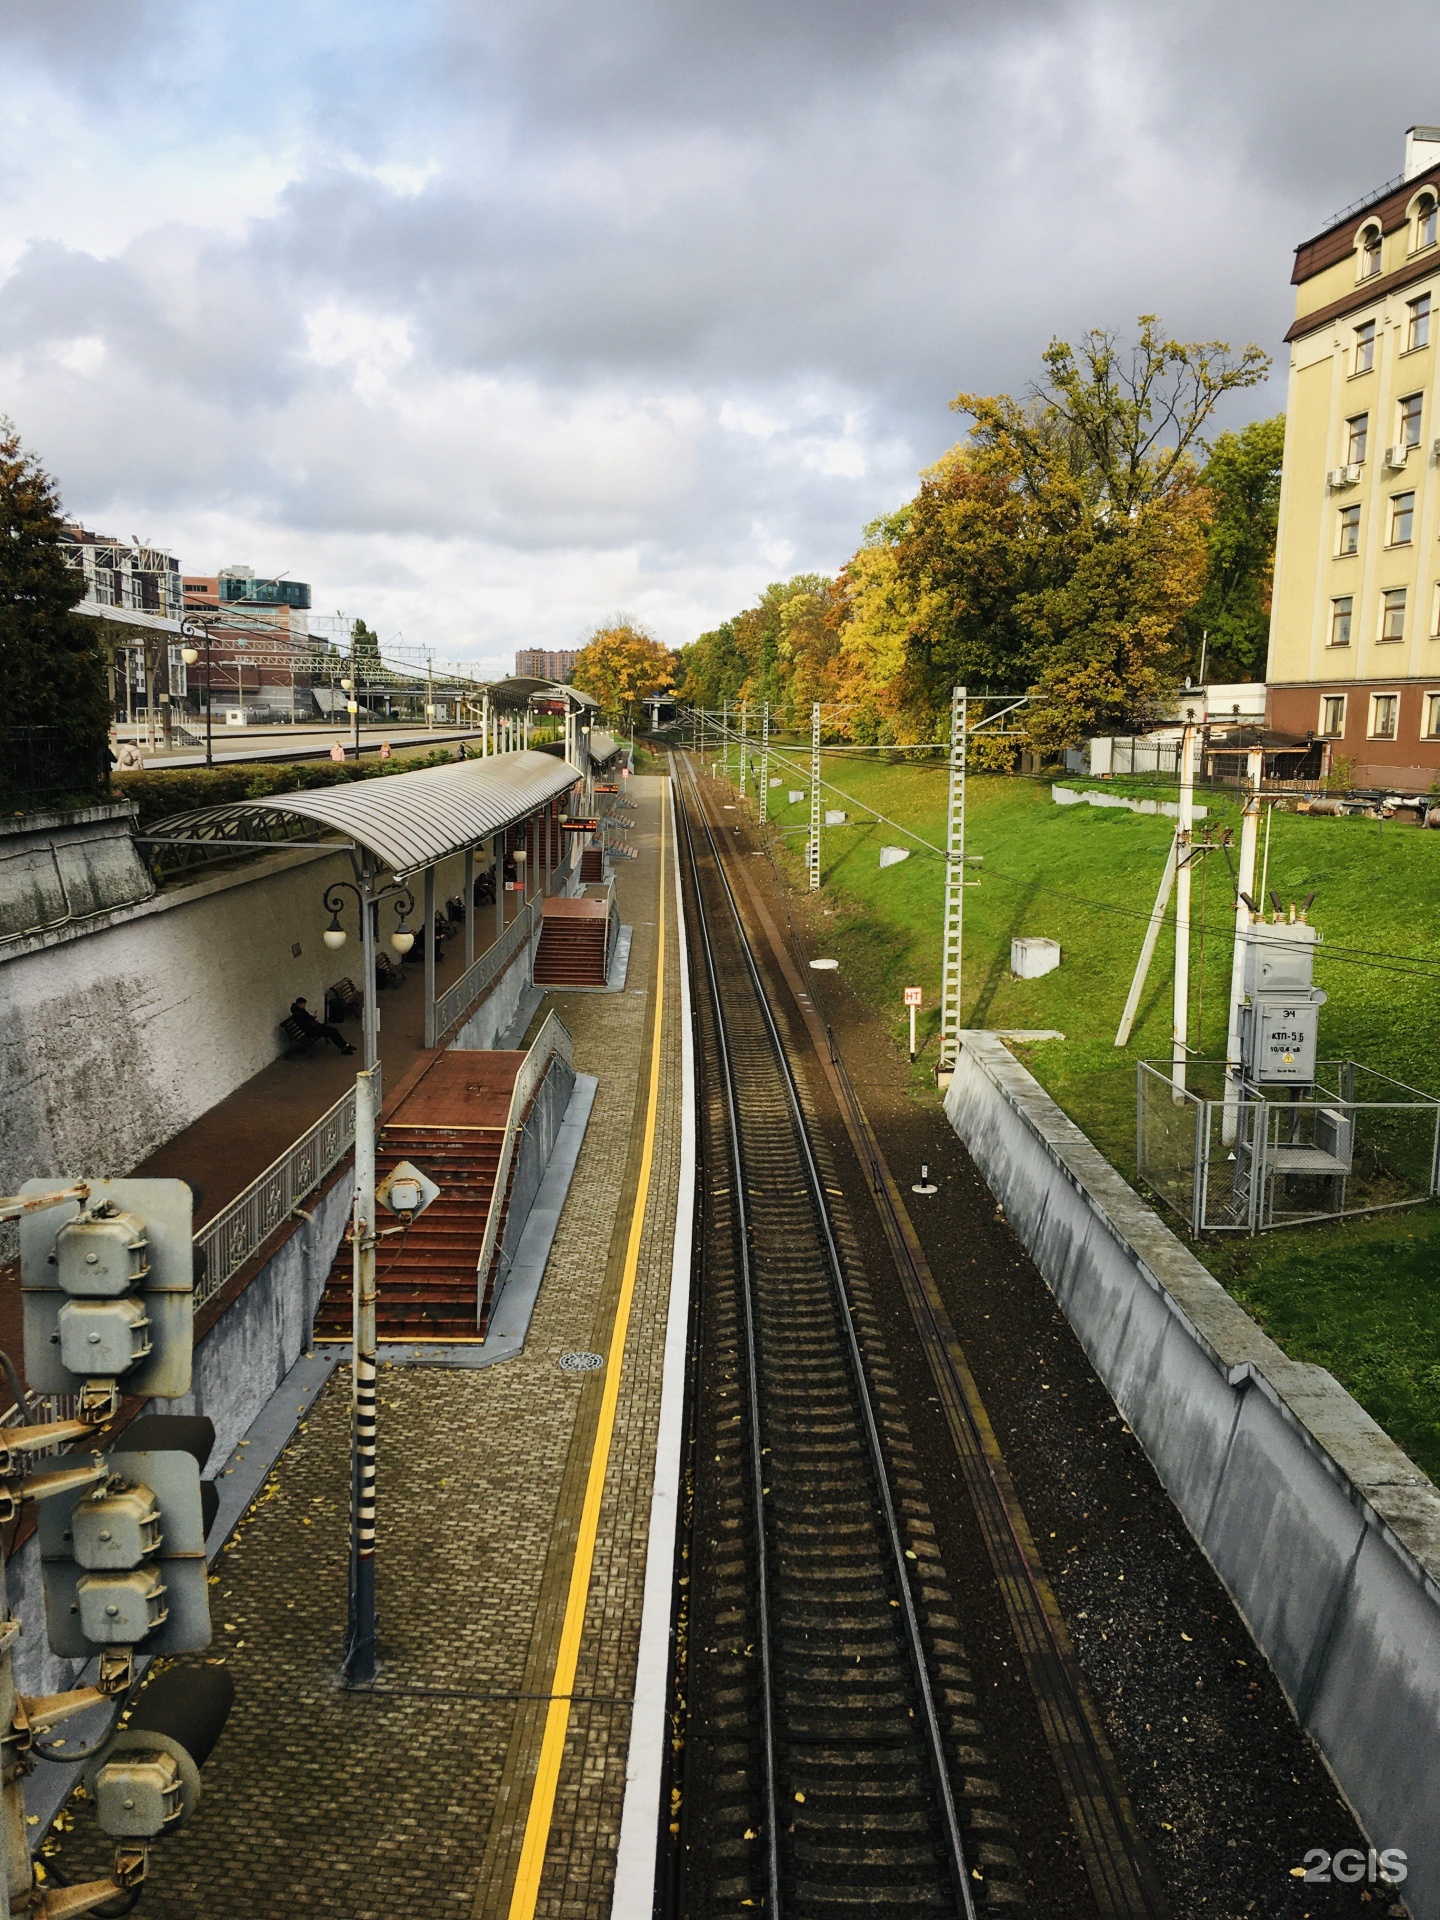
(1279, 959)
(1278, 1038)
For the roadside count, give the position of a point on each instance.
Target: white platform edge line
(636, 1849)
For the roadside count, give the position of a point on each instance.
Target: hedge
(160, 792)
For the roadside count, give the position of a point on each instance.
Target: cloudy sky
(491, 319)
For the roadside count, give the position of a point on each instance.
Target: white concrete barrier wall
(1325, 1534)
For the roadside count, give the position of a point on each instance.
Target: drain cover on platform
(581, 1362)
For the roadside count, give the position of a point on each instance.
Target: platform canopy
(406, 820)
(603, 746)
(519, 690)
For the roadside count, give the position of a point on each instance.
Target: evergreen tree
(53, 670)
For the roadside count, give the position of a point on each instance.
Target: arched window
(1369, 242)
(1427, 222)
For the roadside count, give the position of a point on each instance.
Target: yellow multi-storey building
(1355, 624)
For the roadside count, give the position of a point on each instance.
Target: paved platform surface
(415, 1798)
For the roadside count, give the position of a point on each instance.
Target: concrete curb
(1326, 1535)
(637, 1846)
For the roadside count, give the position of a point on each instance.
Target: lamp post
(359, 1662)
(190, 654)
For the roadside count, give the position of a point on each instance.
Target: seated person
(314, 1029)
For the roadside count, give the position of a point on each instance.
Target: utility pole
(429, 691)
(765, 763)
(952, 941)
(725, 732)
(1245, 884)
(744, 742)
(1184, 838)
(355, 685)
(812, 851)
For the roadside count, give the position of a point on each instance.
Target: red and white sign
(912, 997)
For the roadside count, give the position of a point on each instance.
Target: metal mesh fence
(1246, 1159)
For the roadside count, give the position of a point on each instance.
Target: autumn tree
(620, 663)
(1229, 625)
(52, 662)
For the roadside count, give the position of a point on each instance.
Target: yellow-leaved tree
(620, 664)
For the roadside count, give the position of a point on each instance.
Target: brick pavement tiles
(413, 1798)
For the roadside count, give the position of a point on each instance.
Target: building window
(1384, 715)
(1357, 437)
(1425, 223)
(1411, 409)
(1349, 541)
(1432, 716)
(1392, 614)
(1369, 253)
(1332, 716)
(1365, 346)
(1341, 612)
(1402, 522)
(1417, 334)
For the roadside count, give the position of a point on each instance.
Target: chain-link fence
(1231, 1157)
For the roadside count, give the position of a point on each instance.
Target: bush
(158, 793)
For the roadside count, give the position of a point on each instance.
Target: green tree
(620, 664)
(52, 661)
(1230, 622)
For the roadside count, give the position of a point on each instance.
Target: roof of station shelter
(407, 820)
(519, 691)
(603, 746)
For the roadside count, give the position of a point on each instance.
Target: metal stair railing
(551, 1043)
(241, 1227)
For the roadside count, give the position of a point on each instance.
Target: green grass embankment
(1361, 1297)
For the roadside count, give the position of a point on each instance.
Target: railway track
(828, 1756)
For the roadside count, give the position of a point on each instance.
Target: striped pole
(359, 1670)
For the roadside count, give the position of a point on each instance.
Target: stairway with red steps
(574, 937)
(451, 1124)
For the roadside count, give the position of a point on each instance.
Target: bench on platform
(302, 1044)
(343, 999)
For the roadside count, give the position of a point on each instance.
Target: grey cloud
(818, 209)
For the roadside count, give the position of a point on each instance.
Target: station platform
(485, 1772)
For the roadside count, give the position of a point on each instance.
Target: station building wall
(115, 1036)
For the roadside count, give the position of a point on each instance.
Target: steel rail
(929, 1711)
(1116, 1860)
(757, 1462)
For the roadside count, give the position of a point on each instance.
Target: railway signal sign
(912, 1001)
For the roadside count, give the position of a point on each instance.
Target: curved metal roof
(517, 690)
(407, 820)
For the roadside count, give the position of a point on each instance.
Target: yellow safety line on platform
(557, 1717)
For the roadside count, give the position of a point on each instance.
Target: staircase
(451, 1125)
(574, 944)
(592, 864)
(426, 1285)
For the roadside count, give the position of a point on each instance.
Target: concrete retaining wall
(117, 1035)
(482, 1031)
(1325, 1534)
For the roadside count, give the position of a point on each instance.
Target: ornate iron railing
(451, 1007)
(551, 1043)
(241, 1228)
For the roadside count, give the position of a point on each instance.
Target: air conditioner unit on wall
(1344, 476)
(1395, 457)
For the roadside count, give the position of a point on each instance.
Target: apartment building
(533, 663)
(1355, 625)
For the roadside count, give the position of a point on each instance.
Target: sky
(492, 321)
